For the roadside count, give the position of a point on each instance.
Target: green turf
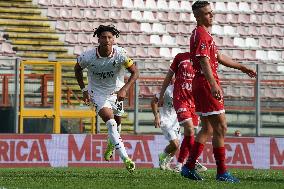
(120, 178)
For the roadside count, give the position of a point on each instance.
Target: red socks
(219, 154)
(186, 146)
(195, 153)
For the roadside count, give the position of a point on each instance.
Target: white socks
(115, 139)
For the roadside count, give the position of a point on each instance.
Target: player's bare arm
(227, 61)
(215, 89)
(155, 110)
(79, 76)
(166, 83)
(121, 94)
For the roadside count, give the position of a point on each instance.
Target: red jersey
(184, 74)
(202, 44)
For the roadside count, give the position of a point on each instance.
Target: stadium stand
(152, 31)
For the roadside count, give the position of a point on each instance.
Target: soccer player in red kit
(207, 93)
(183, 104)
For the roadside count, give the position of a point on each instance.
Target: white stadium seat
(89, 14)
(80, 3)
(162, 5)
(240, 42)
(165, 52)
(261, 54)
(244, 7)
(168, 40)
(158, 28)
(251, 42)
(148, 16)
(151, 4)
(155, 39)
(229, 30)
(220, 7)
(145, 27)
(127, 4)
(174, 5)
(218, 30)
(139, 4)
(185, 5)
(274, 55)
(136, 15)
(71, 38)
(232, 6)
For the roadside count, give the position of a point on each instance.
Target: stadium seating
(158, 29)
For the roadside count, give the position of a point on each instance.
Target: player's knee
(188, 131)
(220, 130)
(112, 126)
(207, 131)
(174, 144)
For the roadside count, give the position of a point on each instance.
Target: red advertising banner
(55, 150)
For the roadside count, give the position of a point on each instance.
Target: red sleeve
(174, 65)
(202, 43)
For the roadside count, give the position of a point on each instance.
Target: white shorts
(108, 101)
(171, 130)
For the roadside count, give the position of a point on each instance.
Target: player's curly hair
(199, 4)
(109, 28)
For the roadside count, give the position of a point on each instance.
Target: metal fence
(9, 93)
(255, 107)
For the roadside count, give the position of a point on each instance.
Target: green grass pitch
(142, 178)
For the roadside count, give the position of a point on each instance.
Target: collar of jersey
(99, 56)
(203, 27)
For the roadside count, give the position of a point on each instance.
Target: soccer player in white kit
(106, 88)
(166, 119)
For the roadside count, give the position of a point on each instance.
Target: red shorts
(205, 103)
(185, 112)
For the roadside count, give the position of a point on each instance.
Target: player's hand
(248, 71)
(157, 121)
(216, 91)
(121, 94)
(86, 98)
(161, 101)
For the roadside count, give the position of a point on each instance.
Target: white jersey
(167, 111)
(105, 74)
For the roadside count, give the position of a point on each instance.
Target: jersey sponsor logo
(105, 75)
(181, 110)
(24, 150)
(186, 86)
(187, 75)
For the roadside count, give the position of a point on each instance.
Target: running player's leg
(188, 170)
(110, 147)
(219, 125)
(189, 120)
(118, 121)
(184, 116)
(118, 111)
(187, 141)
(172, 135)
(200, 140)
(107, 116)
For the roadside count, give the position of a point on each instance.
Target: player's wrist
(84, 89)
